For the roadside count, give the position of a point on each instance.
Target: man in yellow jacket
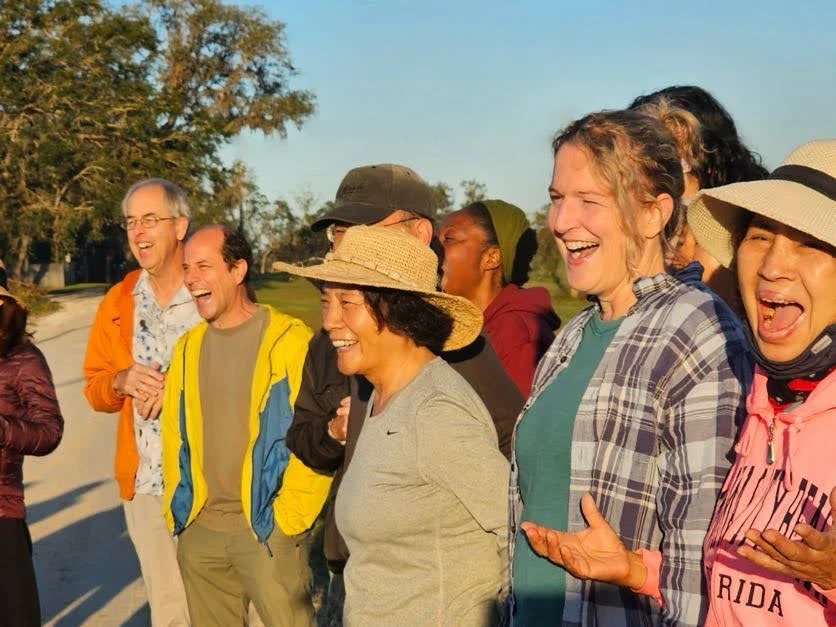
(233, 493)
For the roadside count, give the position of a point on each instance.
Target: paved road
(87, 571)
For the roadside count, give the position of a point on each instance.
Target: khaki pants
(157, 553)
(223, 571)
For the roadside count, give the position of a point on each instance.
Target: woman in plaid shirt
(625, 440)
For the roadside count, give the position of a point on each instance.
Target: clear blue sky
(461, 90)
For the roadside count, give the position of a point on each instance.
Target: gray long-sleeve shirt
(423, 509)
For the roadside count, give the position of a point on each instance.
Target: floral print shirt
(156, 330)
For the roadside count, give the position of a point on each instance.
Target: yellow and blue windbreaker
(276, 487)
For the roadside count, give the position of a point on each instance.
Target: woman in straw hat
(488, 247)
(770, 555)
(30, 424)
(423, 505)
(649, 382)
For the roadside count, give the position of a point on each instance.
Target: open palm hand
(594, 553)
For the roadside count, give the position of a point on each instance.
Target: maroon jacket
(520, 323)
(30, 421)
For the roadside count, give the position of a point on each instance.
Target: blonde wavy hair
(636, 156)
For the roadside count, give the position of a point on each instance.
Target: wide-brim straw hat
(800, 193)
(374, 256)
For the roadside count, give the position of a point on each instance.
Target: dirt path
(86, 567)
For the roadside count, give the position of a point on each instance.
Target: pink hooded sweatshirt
(795, 488)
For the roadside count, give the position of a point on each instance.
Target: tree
(444, 199)
(287, 233)
(72, 93)
(93, 97)
(474, 191)
(548, 263)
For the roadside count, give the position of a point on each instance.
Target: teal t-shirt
(543, 447)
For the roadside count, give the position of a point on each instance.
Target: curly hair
(725, 158)
(409, 315)
(635, 155)
(683, 126)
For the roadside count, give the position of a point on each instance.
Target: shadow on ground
(85, 564)
(45, 509)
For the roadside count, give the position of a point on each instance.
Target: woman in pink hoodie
(770, 553)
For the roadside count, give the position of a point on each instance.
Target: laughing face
(213, 284)
(154, 246)
(362, 347)
(587, 225)
(466, 256)
(786, 281)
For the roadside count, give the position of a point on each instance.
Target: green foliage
(33, 297)
(444, 199)
(300, 298)
(474, 191)
(547, 264)
(95, 96)
(297, 297)
(284, 232)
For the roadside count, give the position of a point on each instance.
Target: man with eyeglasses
(330, 408)
(128, 353)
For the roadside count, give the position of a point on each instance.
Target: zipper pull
(770, 444)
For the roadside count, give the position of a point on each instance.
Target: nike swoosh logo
(390, 432)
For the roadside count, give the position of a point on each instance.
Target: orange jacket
(109, 350)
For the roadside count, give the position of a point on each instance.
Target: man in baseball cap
(330, 408)
(385, 194)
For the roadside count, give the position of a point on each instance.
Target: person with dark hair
(330, 410)
(30, 424)
(128, 354)
(423, 506)
(716, 157)
(770, 552)
(488, 248)
(725, 158)
(238, 501)
(625, 440)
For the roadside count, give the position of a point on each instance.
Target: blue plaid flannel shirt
(652, 441)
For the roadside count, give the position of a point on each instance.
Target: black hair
(526, 245)
(410, 315)
(236, 248)
(726, 158)
(13, 318)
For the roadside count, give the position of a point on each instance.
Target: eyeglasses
(148, 222)
(335, 230)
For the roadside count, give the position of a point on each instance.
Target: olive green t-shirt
(227, 362)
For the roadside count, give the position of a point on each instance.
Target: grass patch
(36, 298)
(79, 287)
(565, 306)
(298, 297)
(294, 296)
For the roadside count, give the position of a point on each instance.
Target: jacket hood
(531, 300)
(820, 401)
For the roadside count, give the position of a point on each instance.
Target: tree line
(95, 95)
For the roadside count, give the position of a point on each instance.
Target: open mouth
(144, 246)
(343, 345)
(777, 316)
(579, 249)
(201, 295)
